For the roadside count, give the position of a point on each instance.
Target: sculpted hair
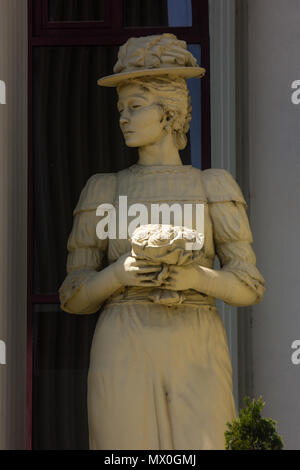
(173, 96)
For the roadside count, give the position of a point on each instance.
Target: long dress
(160, 377)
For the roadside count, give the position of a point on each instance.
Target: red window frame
(42, 32)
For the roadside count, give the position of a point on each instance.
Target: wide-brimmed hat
(152, 56)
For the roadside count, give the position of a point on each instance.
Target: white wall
(13, 221)
(223, 125)
(274, 161)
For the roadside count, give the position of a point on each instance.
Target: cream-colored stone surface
(151, 56)
(160, 375)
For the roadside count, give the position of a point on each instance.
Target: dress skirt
(160, 378)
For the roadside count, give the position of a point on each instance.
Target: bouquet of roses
(166, 245)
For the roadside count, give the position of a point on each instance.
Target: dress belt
(142, 295)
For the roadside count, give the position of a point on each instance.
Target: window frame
(113, 23)
(45, 24)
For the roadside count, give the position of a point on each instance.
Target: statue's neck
(163, 152)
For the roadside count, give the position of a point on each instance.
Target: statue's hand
(134, 272)
(180, 278)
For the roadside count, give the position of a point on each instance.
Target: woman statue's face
(142, 119)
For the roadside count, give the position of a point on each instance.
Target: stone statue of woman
(160, 375)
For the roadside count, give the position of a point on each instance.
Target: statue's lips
(126, 133)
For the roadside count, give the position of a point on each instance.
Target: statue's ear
(170, 118)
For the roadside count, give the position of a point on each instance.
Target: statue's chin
(131, 144)
(138, 143)
(130, 141)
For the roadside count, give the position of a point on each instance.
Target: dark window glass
(60, 366)
(157, 13)
(76, 10)
(146, 13)
(75, 135)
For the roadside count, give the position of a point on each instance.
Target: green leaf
(250, 431)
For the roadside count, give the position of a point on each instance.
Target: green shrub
(252, 432)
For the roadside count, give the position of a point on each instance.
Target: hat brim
(184, 72)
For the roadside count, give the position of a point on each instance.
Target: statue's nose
(124, 118)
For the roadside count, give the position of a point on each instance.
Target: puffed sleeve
(232, 234)
(85, 250)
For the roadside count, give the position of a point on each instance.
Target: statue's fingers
(169, 285)
(147, 276)
(147, 283)
(173, 270)
(165, 285)
(143, 262)
(149, 269)
(134, 269)
(140, 262)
